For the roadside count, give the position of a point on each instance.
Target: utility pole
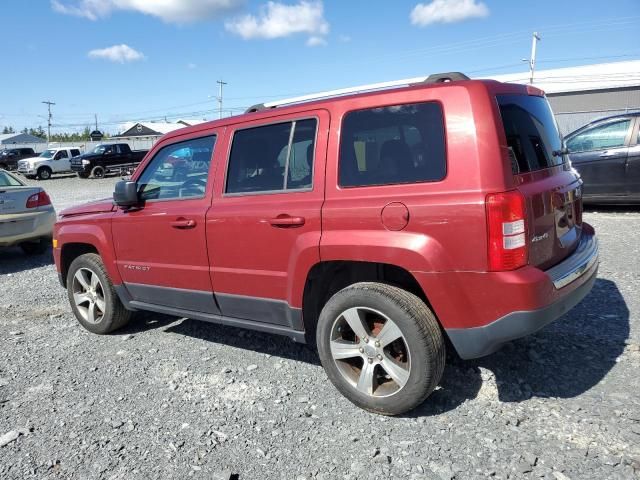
(48, 103)
(96, 117)
(532, 59)
(219, 98)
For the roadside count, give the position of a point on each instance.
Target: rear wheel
(381, 347)
(93, 299)
(97, 172)
(44, 173)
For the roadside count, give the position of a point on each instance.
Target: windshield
(48, 153)
(532, 134)
(7, 180)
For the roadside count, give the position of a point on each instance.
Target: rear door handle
(286, 221)
(183, 223)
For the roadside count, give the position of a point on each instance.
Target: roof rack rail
(257, 108)
(434, 78)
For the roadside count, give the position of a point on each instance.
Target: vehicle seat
(396, 162)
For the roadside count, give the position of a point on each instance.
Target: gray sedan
(26, 215)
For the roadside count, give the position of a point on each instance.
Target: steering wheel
(193, 187)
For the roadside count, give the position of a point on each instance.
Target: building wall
(576, 109)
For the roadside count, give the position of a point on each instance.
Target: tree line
(55, 137)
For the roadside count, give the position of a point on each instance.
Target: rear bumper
(18, 228)
(510, 305)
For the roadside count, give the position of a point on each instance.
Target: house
(8, 139)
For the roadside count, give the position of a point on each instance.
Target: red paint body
(437, 231)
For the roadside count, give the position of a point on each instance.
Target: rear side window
(272, 158)
(532, 134)
(392, 145)
(75, 152)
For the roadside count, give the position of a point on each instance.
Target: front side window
(601, 137)
(62, 154)
(178, 171)
(393, 145)
(272, 158)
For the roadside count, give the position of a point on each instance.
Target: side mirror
(126, 194)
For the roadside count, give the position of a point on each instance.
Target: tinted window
(531, 131)
(178, 171)
(75, 152)
(601, 137)
(272, 158)
(390, 145)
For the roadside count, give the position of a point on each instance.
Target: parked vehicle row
(373, 226)
(102, 159)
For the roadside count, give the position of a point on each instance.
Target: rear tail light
(507, 230)
(39, 199)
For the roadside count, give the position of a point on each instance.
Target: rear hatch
(543, 174)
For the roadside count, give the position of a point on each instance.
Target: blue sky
(175, 50)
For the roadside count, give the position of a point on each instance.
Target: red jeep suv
(373, 225)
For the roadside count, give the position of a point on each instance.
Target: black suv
(9, 157)
(606, 153)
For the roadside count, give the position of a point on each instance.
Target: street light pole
(532, 59)
(221, 83)
(48, 103)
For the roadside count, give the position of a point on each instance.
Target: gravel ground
(175, 398)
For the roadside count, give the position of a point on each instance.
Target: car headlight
(86, 162)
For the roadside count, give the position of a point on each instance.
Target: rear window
(531, 131)
(392, 145)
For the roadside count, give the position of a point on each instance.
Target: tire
(35, 248)
(4, 166)
(97, 172)
(419, 351)
(107, 313)
(44, 173)
(83, 175)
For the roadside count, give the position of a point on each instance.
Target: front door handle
(286, 221)
(183, 223)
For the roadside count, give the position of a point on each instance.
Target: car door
(599, 153)
(264, 226)
(161, 249)
(61, 161)
(632, 173)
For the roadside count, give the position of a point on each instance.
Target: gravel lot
(175, 398)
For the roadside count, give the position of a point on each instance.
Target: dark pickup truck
(9, 157)
(106, 157)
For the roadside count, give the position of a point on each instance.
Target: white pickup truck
(52, 160)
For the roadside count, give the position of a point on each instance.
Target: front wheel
(381, 347)
(44, 173)
(93, 299)
(97, 172)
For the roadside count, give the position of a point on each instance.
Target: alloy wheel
(88, 295)
(370, 351)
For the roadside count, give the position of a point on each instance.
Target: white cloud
(316, 42)
(118, 53)
(173, 11)
(447, 11)
(277, 20)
